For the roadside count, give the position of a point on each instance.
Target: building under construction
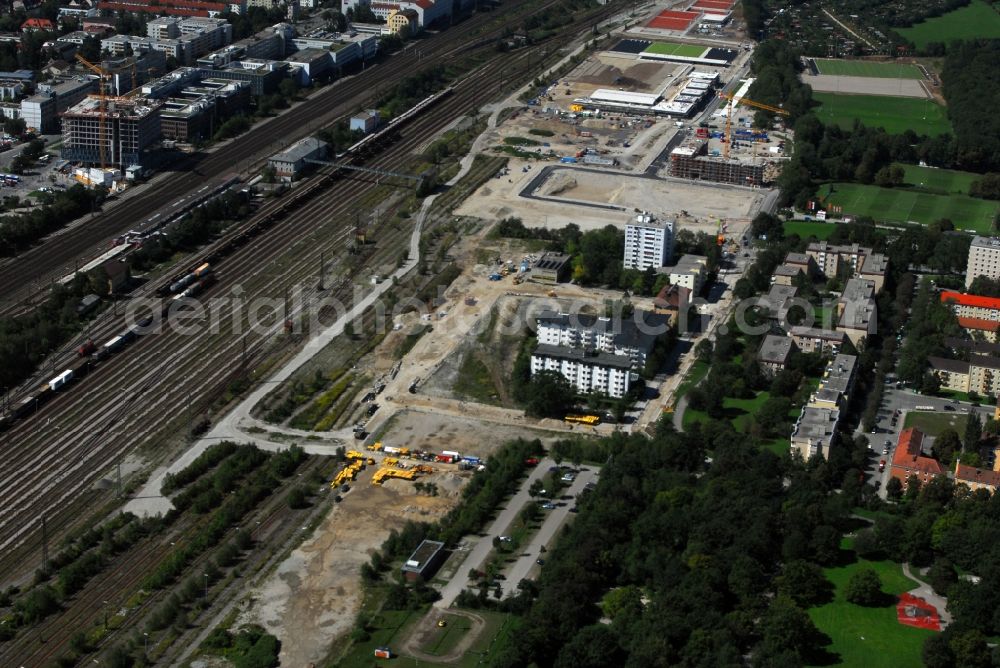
(692, 161)
(118, 139)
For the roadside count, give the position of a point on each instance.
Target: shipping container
(446, 459)
(60, 381)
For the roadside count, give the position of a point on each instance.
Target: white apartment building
(984, 259)
(649, 242)
(689, 272)
(632, 338)
(586, 370)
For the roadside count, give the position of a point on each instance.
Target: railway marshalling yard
(304, 586)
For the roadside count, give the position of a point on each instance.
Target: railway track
(23, 278)
(105, 596)
(126, 402)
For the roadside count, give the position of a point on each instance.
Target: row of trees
(20, 230)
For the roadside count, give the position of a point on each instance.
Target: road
(526, 565)
(483, 546)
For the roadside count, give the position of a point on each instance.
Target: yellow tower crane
(733, 101)
(103, 93)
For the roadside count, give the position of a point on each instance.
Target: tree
(804, 583)
(889, 176)
(936, 653)
(945, 446)
(864, 588)
(548, 394)
(942, 575)
(620, 599)
(894, 489)
(592, 647)
(973, 431)
(971, 650)
(773, 414)
(703, 350)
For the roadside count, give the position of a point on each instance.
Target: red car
(881, 466)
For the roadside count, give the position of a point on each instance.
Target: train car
(80, 368)
(61, 380)
(112, 346)
(87, 349)
(203, 270)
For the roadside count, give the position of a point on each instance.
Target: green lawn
(978, 19)
(939, 181)
(895, 114)
(824, 317)
(737, 411)
(870, 637)
(390, 629)
(933, 423)
(698, 371)
(808, 228)
(672, 49)
(903, 205)
(863, 68)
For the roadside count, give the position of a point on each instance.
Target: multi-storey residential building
(814, 430)
(972, 306)
(41, 110)
(649, 242)
(857, 315)
(586, 370)
(984, 259)
(908, 459)
(774, 353)
(816, 340)
(631, 337)
(981, 374)
(689, 272)
(977, 478)
(427, 11)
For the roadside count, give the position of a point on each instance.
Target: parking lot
(906, 401)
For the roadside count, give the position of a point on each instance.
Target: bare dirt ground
(704, 204)
(314, 595)
(607, 69)
(829, 83)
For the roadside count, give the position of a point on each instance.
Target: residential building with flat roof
(784, 274)
(649, 242)
(774, 353)
(976, 478)
(816, 340)
(586, 370)
(984, 259)
(689, 272)
(631, 337)
(814, 431)
(41, 110)
(980, 374)
(857, 314)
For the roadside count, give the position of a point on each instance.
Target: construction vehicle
(550, 293)
(353, 454)
(390, 461)
(727, 137)
(382, 474)
(374, 447)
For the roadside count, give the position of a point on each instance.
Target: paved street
(526, 565)
(476, 557)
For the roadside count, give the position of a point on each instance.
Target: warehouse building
(129, 129)
(424, 561)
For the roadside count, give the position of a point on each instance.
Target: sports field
(671, 49)
(808, 228)
(863, 68)
(940, 181)
(895, 114)
(977, 19)
(903, 205)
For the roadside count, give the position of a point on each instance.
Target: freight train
(90, 354)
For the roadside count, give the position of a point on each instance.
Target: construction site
(112, 132)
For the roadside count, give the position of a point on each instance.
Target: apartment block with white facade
(984, 259)
(649, 242)
(586, 370)
(631, 337)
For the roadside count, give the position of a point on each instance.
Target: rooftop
(874, 264)
(638, 331)
(948, 365)
(775, 349)
(816, 425)
(90, 106)
(978, 476)
(552, 261)
(817, 333)
(424, 553)
(978, 323)
(689, 263)
(909, 454)
(796, 258)
(986, 242)
(595, 358)
(839, 373)
(787, 270)
(857, 314)
(969, 300)
(300, 150)
(981, 347)
(858, 290)
(649, 220)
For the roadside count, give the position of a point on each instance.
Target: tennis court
(671, 49)
(673, 20)
(863, 68)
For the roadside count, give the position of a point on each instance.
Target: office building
(127, 131)
(649, 242)
(41, 111)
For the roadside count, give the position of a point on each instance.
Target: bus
(591, 420)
